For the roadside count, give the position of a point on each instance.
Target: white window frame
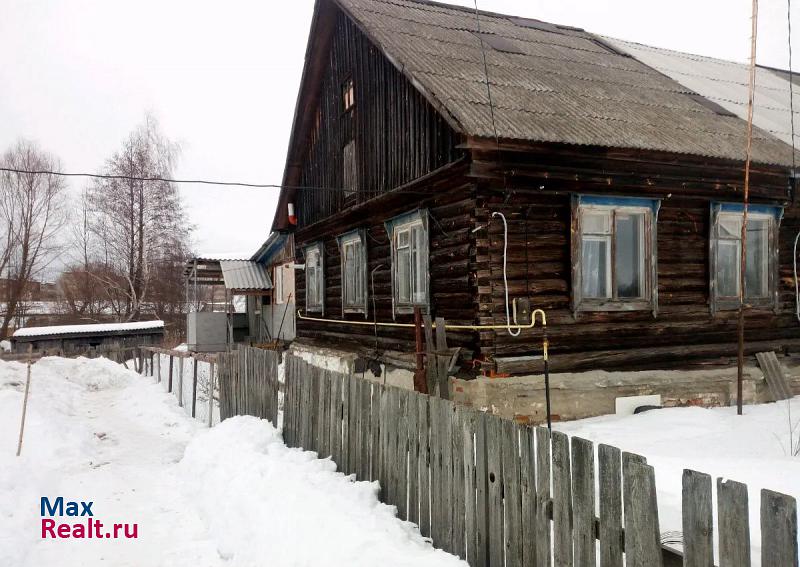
(356, 239)
(648, 300)
(277, 288)
(315, 251)
(770, 274)
(418, 274)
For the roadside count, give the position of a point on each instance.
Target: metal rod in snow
(25, 400)
(746, 197)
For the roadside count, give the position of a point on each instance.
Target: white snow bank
(5, 345)
(95, 431)
(91, 328)
(268, 504)
(753, 449)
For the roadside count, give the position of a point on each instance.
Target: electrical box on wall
(523, 311)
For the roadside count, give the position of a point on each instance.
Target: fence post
(180, 381)
(158, 362)
(642, 535)
(210, 394)
(169, 383)
(194, 385)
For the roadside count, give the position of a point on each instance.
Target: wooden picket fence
(248, 383)
(498, 493)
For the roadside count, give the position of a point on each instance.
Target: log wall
(398, 136)
(539, 267)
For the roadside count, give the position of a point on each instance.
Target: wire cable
(513, 333)
(204, 182)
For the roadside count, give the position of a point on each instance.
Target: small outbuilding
(74, 339)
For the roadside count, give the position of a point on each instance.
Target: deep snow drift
(752, 448)
(98, 432)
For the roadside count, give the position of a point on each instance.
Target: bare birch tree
(137, 217)
(31, 215)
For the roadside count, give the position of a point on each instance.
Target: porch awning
(244, 275)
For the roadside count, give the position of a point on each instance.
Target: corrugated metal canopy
(245, 275)
(550, 83)
(725, 83)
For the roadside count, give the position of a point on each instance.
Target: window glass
(313, 279)
(757, 273)
(728, 268)
(728, 255)
(594, 276)
(349, 169)
(410, 268)
(613, 250)
(629, 254)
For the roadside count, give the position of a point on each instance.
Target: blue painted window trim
(653, 204)
(774, 210)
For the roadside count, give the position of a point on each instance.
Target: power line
(203, 182)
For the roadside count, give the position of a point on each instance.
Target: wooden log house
(621, 191)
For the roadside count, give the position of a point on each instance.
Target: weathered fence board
(583, 502)
(734, 524)
(543, 504)
(778, 529)
(492, 491)
(698, 521)
(610, 472)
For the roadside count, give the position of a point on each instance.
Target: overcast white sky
(222, 78)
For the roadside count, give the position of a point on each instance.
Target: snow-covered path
(94, 432)
(97, 432)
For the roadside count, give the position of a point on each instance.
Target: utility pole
(743, 248)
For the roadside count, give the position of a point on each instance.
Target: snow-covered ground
(753, 449)
(232, 495)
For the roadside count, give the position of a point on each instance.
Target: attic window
(349, 169)
(499, 43)
(348, 95)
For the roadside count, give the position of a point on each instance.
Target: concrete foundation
(590, 394)
(573, 395)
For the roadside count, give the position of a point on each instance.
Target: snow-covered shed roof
(90, 329)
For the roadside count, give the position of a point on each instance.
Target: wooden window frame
(345, 240)
(649, 300)
(394, 227)
(772, 214)
(319, 249)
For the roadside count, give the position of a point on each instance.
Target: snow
(233, 495)
(300, 510)
(91, 328)
(753, 449)
(5, 345)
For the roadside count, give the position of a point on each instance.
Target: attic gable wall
(398, 135)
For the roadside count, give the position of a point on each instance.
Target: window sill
(409, 309)
(355, 310)
(610, 305)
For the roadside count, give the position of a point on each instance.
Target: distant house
(75, 339)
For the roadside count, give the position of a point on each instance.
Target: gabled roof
(549, 83)
(727, 84)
